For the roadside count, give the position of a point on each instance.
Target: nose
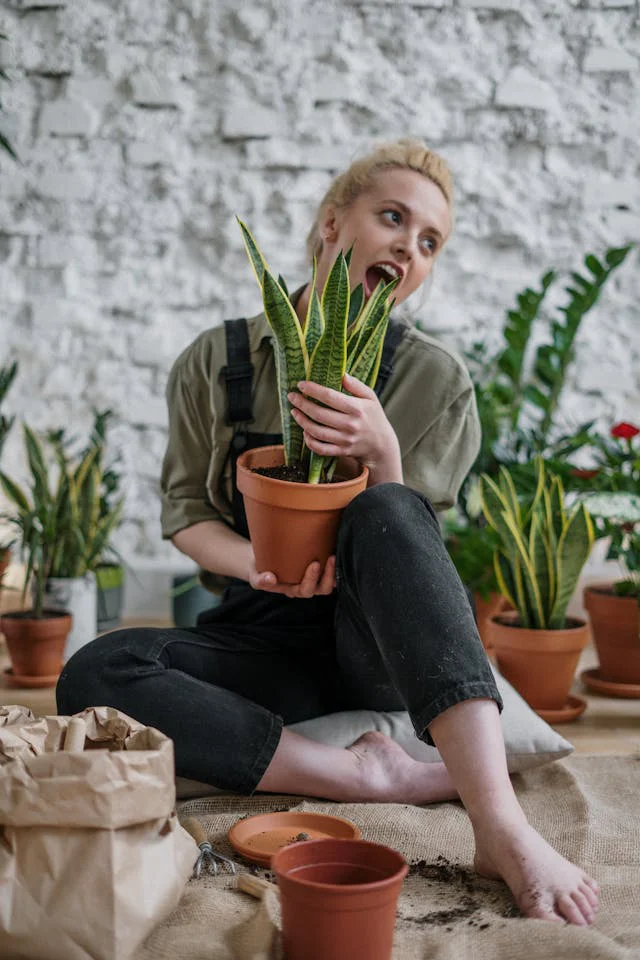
(403, 246)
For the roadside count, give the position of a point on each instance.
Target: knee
(93, 671)
(387, 506)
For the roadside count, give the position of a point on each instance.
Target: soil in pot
(615, 625)
(36, 645)
(540, 664)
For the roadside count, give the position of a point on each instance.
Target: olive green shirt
(428, 399)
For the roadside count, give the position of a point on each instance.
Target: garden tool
(208, 857)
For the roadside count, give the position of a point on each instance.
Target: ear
(329, 224)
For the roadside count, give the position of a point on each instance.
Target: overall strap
(395, 333)
(238, 372)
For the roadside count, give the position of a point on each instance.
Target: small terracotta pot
(540, 664)
(293, 524)
(36, 645)
(485, 609)
(615, 625)
(339, 899)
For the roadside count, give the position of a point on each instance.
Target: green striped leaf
(504, 577)
(534, 607)
(328, 362)
(574, 547)
(256, 259)
(291, 360)
(355, 306)
(367, 362)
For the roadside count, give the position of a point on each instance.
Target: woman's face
(397, 228)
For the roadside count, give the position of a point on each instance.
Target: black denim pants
(397, 634)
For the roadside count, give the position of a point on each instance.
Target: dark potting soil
(472, 894)
(293, 472)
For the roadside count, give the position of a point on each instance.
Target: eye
(428, 244)
(393, 216)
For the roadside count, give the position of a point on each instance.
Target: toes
(583, 905)
(590, 882)
(590, 894)
(568, 908)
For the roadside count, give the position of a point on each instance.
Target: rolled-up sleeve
(186, 464)
(438, 464)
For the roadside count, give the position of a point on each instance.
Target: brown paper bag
(92, 856)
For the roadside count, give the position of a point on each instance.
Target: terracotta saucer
(258, 838)
(610, 688)
(573, 708)
(17, 680)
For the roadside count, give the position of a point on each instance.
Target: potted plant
(293, 497)
(614, 606)
(543, 546)
(62, 536)
(518, 401)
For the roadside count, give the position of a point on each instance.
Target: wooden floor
(609, 725)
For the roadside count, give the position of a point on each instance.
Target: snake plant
(341, 333)
(60, 526)
(543, 546)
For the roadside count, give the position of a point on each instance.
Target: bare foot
(387, 774)
(545, 885)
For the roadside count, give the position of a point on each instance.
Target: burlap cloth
(588, 807)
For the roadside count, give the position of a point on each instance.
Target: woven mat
(588, 807)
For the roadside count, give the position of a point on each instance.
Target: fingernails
(302, 386)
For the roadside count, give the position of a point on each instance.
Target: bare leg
(374, 768)
(545, 885)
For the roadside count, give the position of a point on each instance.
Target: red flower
(584, 474)
(624, 431)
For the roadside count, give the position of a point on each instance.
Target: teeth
(391, 272)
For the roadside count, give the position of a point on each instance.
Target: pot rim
(604, 588)
(503, 620)
(339, 485)
(353, 888)
(29, 615)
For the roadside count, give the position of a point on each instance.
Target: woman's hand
(314, 582)
(350, 424)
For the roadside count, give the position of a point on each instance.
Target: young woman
(387, 624)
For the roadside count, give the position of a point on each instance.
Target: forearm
(217, 548)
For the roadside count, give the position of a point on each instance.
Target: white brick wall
(145, 127)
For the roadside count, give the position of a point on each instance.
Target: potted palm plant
(293, 497)
(62, 536)
(543, 546)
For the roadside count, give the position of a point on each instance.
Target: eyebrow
(408, 211)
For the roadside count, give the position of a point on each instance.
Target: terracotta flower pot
(293, 524)
(36, 646)
(485, 609)
(615, 625)
(339, 899)
(540, 664)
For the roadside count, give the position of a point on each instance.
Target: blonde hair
(405, 154)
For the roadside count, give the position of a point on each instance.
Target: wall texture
(143, 127)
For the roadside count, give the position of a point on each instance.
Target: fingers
(325, 415)
(315, 581)
(357, 388)
(333, 398)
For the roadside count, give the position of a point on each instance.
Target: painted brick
(243, 121)
(68, 118)
(520, 88)
(150, 90)
(65, 185)
(609, 60)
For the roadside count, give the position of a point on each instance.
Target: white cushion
(529, 740)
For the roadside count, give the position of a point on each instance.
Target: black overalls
(398, 633)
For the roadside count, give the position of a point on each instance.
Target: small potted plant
(614, 606)
(293, 497)
(110, 571)
(7, 376)
(543, 547)
(61, 536)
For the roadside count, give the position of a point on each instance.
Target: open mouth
(384, 271)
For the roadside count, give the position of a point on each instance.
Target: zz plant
(543, 546)
(341, 333)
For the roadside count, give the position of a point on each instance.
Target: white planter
(79, 596)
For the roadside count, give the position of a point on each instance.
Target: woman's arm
(217, 548)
